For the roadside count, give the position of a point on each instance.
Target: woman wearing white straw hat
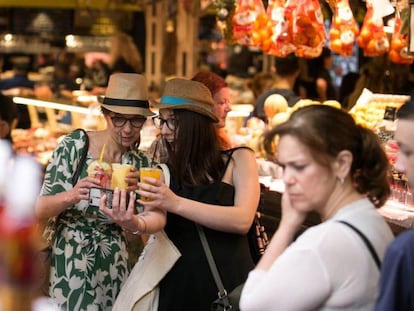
(217, 190)
(89, 255)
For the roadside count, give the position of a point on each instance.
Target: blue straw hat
(189, 95)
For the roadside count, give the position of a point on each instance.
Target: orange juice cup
(119, 172)
(153, 172)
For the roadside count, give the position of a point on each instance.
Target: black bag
(265, 222)
(229, 301)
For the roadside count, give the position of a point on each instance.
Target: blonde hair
(123, 47)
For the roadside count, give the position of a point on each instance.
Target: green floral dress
(90, 258)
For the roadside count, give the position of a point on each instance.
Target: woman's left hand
(131, 179)
(120, 212)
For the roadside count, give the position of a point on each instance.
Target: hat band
(175, 100)
(127, 102)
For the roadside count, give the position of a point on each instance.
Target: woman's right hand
(292, 218)
(81, 190)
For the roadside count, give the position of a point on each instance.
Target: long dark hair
(196, 157)
(326, 131)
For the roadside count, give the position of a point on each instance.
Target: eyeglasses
(159, 122)
(136, 122)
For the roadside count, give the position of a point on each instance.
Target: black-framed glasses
(136, 122)
(159, 122)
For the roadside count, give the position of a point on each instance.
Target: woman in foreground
(339, 170)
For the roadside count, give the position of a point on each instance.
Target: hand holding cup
(152, 172)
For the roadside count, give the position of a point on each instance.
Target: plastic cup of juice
(102, 171)
(153, 172)
(119, 172)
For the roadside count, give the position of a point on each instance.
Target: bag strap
(229, 154)
(366, 241)
(82, 159)
(222, 293)
(166, 172)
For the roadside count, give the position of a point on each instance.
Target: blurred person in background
(347, 86)
(19, 85)
(259, 83)
(397, 273)
(338, 169)
(221, 96)
(319, 70)
(124, 55)
(8, 117)
(287, 71)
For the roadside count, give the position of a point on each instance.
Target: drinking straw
(102, 153)
(120, 140)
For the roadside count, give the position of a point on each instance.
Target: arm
(284, 235)
(321, 88)
(235, 219)
(296, 281)
(53, 204)
(57, 192)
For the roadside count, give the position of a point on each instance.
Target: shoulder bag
(140, 291)
(369, 245)
(225, 301)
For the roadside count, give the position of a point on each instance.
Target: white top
(327, 268)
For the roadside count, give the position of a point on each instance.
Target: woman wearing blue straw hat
(210, 189)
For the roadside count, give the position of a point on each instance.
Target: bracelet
(139, 231)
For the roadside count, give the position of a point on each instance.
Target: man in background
(287, 71)
(19, 85)
(8, 117)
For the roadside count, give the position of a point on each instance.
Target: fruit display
(281, 41)
(344, 30)
(279, 118)
(39, 143)
(308, 30)
(370, 111)
(399, 44)
(245, 15)
(262, 32)
(274, 104)
(372, 38)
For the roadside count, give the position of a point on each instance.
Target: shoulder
(237, 151)
(245, 158)
(327, 236)
(78, 138)
(262, 97)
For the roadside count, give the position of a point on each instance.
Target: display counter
(399, 215)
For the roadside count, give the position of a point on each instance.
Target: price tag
(390, 113)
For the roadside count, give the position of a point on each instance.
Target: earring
(341, 180)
